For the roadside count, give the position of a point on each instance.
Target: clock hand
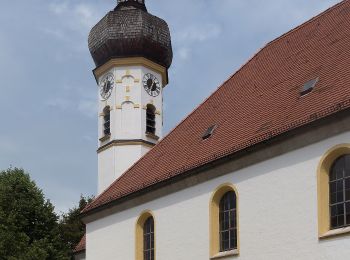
(154, 86)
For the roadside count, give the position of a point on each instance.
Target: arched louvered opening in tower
(151, 119)
(107, 121)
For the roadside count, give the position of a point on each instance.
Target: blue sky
(48, 102)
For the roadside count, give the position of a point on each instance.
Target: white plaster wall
(278, 215)
(106, 166)
(113, 162)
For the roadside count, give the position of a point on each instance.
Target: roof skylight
(308, 87)
(209, 132)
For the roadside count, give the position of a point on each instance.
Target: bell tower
(132, 52)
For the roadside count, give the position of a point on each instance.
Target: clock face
(151, 85)
(106, 86)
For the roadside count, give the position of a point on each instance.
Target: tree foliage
(72, 228)
(29, 227)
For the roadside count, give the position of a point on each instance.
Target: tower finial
(136, 3)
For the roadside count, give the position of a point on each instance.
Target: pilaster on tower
(132, 52)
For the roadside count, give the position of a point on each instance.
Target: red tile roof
(260, 101)
(81, 246)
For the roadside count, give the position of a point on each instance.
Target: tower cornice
(135, 61)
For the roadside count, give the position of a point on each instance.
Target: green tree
(29, 228)
(72, 228)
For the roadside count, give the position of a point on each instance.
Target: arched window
(339, 188)
(145, 237)
(228, 222)
(333, 192)
(224, 235)
(148, 239)
(150, 120)
(106, 121)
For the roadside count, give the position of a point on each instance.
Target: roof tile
(81, 246)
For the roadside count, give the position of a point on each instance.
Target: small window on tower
(107, 121)
(150, 120)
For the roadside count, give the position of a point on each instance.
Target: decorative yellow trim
(214, 206)
(118, 107)
(324, 166)
(136, 80)
(101, 114)
(152, 136)
(127, 98)
(136, 105)
(132, 62)
(144, 107)
(127, 89)
(119, 81)
(158, 112)
(139, 234)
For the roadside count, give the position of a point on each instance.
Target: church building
(260, 170)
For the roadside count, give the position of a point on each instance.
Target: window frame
(148, 235)
(342, 202)
(151, 123)
(214, 222)
(323, 191)
(139, 234)
(225, 208)
(106, 112)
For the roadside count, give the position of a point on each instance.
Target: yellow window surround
(214, 208)
(139, 234)
(323, 170)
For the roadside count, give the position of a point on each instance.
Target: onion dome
(130, 31)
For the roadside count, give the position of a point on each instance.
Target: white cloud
(86, 16)
(60, 103)
(77, 17)
(199, 33)
(8, 146)
(54, 32)
(184, 53)
(88, 108)
(88, 138)
(58, 8)
(186, 39)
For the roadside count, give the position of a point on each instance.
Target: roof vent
(308, 87)
(209, 132)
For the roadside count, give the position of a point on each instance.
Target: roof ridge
(306, 22)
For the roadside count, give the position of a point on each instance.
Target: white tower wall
(128, 140)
